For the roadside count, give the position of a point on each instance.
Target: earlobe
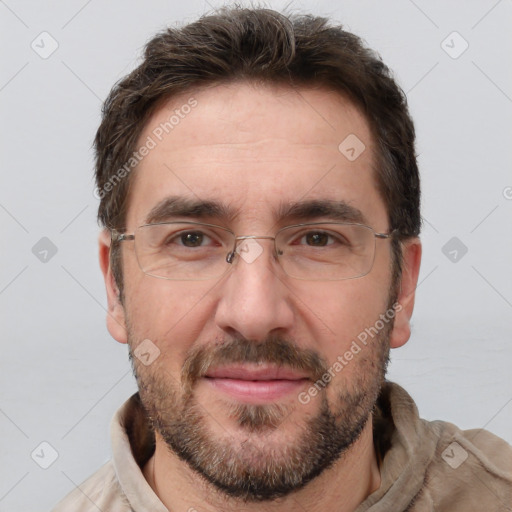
(116, 322)
(411, 250)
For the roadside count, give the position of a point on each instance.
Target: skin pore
(260, 153)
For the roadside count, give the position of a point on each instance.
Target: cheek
(169, 313)
(351, 336)
(336, 313)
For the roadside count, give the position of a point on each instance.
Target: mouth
(257, 384)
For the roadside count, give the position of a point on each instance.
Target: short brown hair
(262, 45)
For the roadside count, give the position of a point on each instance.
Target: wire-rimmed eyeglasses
(323, 251)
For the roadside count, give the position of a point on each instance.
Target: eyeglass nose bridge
(231, 255)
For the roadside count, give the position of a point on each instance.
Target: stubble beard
(261, 467)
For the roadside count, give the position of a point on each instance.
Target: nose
(254, 300)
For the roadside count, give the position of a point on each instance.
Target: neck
(350, 480)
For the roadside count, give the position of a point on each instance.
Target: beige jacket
(426, 466)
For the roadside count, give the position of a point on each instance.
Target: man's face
(236, 352)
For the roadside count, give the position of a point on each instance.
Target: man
(260, 198)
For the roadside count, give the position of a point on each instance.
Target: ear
(411, 250)
(116, 322)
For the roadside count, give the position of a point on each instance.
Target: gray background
(62, 376)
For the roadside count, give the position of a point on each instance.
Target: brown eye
(317, 239)
(192, 239)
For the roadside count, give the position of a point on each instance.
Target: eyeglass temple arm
(116, 236)
(391, 234)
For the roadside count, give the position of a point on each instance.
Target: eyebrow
(309, 210)
(321, 208)
(176, 206)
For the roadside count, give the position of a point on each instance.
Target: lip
(255, 372)
(256, 383)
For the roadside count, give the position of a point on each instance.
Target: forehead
(255, 149)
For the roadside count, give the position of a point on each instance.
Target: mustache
(274, 350)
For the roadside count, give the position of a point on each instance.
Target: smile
(256, 384)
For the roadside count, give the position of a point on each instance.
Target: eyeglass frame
(118, 236)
